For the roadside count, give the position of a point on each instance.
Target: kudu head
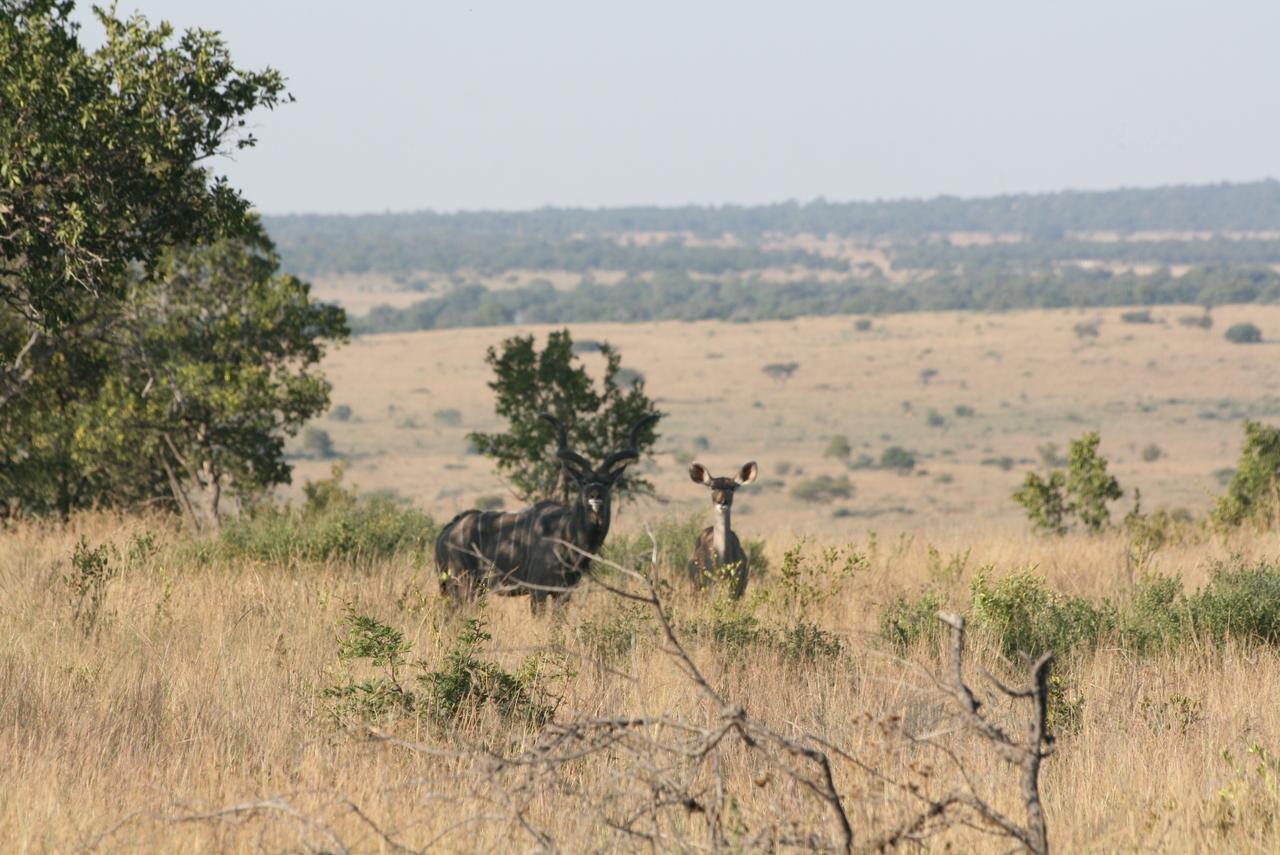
(595, 485)
(722, 488)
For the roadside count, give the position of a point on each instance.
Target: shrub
(1026, 618)
(897, 457)
(1138, 316)
(1082, 491)
(490, 502)
(1203, 322)
(1087, 329)
(935, 419)
(838, 447)
(675, 537)
(1245, 333)
(334, 523)
(448, 418)
(614, 636)
(862, 324)
(780, 371)
(823, 488)
(1239, 602)
(1254, 489)
(1152, 452)
(317, 444)
(905, 623)
(341, 413)
(444, 696)
(964, 411)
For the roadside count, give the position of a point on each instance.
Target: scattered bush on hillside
(1138, 316)
(897, 458)
(838, 447)
(822, 488)
(448, 417)
(341, 413)
(780, 371)
(1203, 322)
(317, 444)
(1253, 493)
(1245, 333)
(1152, 452)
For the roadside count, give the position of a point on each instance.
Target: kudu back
(718, 555)
(537, 551)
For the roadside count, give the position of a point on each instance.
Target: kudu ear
(748, 473)
(699, 474)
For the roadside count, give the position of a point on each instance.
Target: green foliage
(823, 488)
(186, 389)
(809, 577)
(904, 623)
(317, 444)
(1137, 316)
(780, 371)
(614, 636)
(838, 447)
(74, 219)
(1203, 322)
(1088, 484)
(1151, 452)
(897, 457)
(528, 383)
(341, 413)
(1024, 617)
(1244, 333)
(1240, 602)
(1083, 491)
(1254, 491)
(334, 523)
(1045, 501)
(92, 569)
(444, 696)
(935, 419)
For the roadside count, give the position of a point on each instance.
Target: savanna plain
(296, 682)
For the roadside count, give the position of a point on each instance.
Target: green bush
(1138, 316)
(676, 538)
(334, 523)
(1241, 603)
(1254, 489)
(1082, 491)
(823, 488)
(317, 444)
(444, 696)
(897, 457)
(905, 623)
(1024, 617)
(838, 447)
(1245, 333)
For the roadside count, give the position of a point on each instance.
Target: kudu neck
(721, 530)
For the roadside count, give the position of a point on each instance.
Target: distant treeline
(678, 297)
(365, 251)
(941, 255)
(432, 241)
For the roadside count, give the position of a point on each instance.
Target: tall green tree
(104, 163)
(1254, 491)
(186, 391)
(598, 420)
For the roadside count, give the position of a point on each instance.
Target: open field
(188, 714)
(1027, 377)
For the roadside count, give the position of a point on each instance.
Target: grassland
(1027, 378)
(189, 713)
(186, 709)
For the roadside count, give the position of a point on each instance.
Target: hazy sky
(466, 105)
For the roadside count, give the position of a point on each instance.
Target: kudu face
(722, 488)
(595, 486)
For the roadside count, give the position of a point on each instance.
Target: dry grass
(190, 717)
(1026, 375)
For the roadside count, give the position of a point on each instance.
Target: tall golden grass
(190, 715)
